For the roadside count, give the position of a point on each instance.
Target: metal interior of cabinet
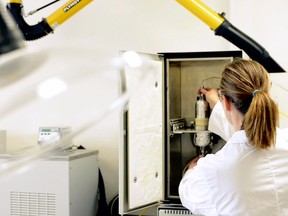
(184, 78)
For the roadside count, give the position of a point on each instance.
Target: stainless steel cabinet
(157, 140)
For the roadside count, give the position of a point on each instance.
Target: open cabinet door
(141, 159)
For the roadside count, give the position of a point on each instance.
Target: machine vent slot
(170, 211)
(173, 212)
(32, 204)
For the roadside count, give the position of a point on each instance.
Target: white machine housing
(65, 184)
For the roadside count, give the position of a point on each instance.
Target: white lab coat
(219, 124)
(238, 180)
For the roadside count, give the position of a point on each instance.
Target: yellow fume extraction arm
(224, 28)
(47, 25)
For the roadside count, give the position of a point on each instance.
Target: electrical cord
(114, 206)
(102, 207)
(41, 8)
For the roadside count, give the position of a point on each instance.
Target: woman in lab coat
(249, 175)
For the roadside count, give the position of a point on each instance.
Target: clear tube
(141, 70)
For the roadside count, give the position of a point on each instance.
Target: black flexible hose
(32, 32)
(10, 37)
(254, 50)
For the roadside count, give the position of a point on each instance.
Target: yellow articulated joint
(65, 12)
(203, 12)
(15, 1)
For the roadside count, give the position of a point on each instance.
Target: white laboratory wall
(279, 92)
(87, 44)
(264, 21)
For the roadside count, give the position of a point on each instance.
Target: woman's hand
(193, 163)
(211, 95)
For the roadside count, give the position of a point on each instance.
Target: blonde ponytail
(246, 84)
(261, 121)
